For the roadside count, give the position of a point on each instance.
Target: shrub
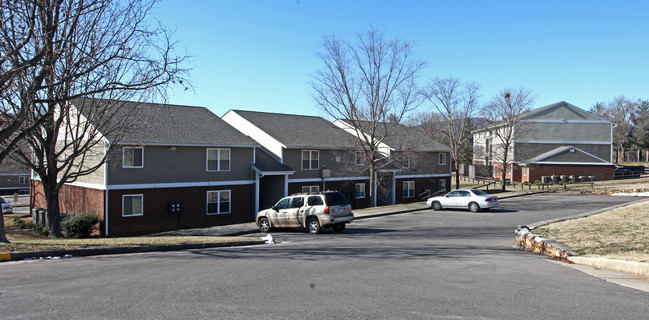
(80, 225)
(20, 223)
(41, 229)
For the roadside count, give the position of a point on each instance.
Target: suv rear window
(336, 199)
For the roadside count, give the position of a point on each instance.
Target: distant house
(179, 159)
(416, 167)
(558, 139)
(14, 177)
(303, 154)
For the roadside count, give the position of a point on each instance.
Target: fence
(632, 156)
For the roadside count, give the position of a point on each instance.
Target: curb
(125, 250)
(528, 241)
(640, 269)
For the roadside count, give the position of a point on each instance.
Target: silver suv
(313, 211)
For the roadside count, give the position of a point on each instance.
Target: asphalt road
(424, 265)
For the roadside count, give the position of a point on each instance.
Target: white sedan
(473, 199)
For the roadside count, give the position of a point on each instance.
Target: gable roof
(166, 124)
(404, 138)
(299, 131)
(567, 155)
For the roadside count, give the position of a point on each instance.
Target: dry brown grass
(621, 233)
(23, 240)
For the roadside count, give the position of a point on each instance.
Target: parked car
(313, 211)
(6, 206)
(473, 199)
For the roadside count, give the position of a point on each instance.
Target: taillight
(326, 210)
(490, 199)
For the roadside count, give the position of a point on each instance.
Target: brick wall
(155, 217)
(71, 199)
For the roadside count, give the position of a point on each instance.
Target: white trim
(87, 185)
(562, 142)
(310, 159)
(404, 189)
(327, 179)
(577, 163)
(271, 173)
(311, 188)
(565, 121)
(15, 174)
(132, 147)
(218, 159)
(207, 203)
(356, 188)
(172, 144)
(431, 175)
(180, 185)
(439, 159)
(141, 205)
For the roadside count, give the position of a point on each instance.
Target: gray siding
(527, 150)
(566, 112)
(344, 168)
(185, 164)
(425, 163)
(579, 132)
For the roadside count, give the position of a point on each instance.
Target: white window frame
(218, 159)
(124, 196)
(442, 159)
(124, 157)
(360, 195)
(310, 159)
(218, 202)
(407, 190)
(409, 161)
(310, 189)
(359, 158)
(442, 184)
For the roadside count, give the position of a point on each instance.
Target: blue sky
(261, 55)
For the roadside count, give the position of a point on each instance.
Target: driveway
(423, 265)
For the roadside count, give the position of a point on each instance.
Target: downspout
(394, 189)
(105, 194)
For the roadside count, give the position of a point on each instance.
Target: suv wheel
(264, 225)
(339, 227)
(314, 225)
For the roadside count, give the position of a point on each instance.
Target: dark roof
(404, 138)
(298, 131)
(267, 164)
(167, 124)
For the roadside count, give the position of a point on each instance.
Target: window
(282, 204)
(132, 157)
(23, 179)
(315, 201)
(218, 202)
(359, 158)
(360, 190)
(297, 202)
(442, 159)
(218, 159)
(132, 205)
(409, 161)
(442, 184)
(408, 189)
(310, 189)
(310, 159)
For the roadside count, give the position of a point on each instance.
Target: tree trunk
(504, 175)
(53, 215)
(371, 186)
(3, 235)
(457, 176)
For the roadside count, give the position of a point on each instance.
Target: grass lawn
(621, 233)
(23, 240)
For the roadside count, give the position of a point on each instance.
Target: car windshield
(478, 192)
(336, 199)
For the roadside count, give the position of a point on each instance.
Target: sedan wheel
(264, 225)
(474, 207)
(313, 225)
(437, 206)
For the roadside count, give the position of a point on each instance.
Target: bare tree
(621, 111)
(456, 104)
(503, 114)
(96, 54)
(371, 84)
